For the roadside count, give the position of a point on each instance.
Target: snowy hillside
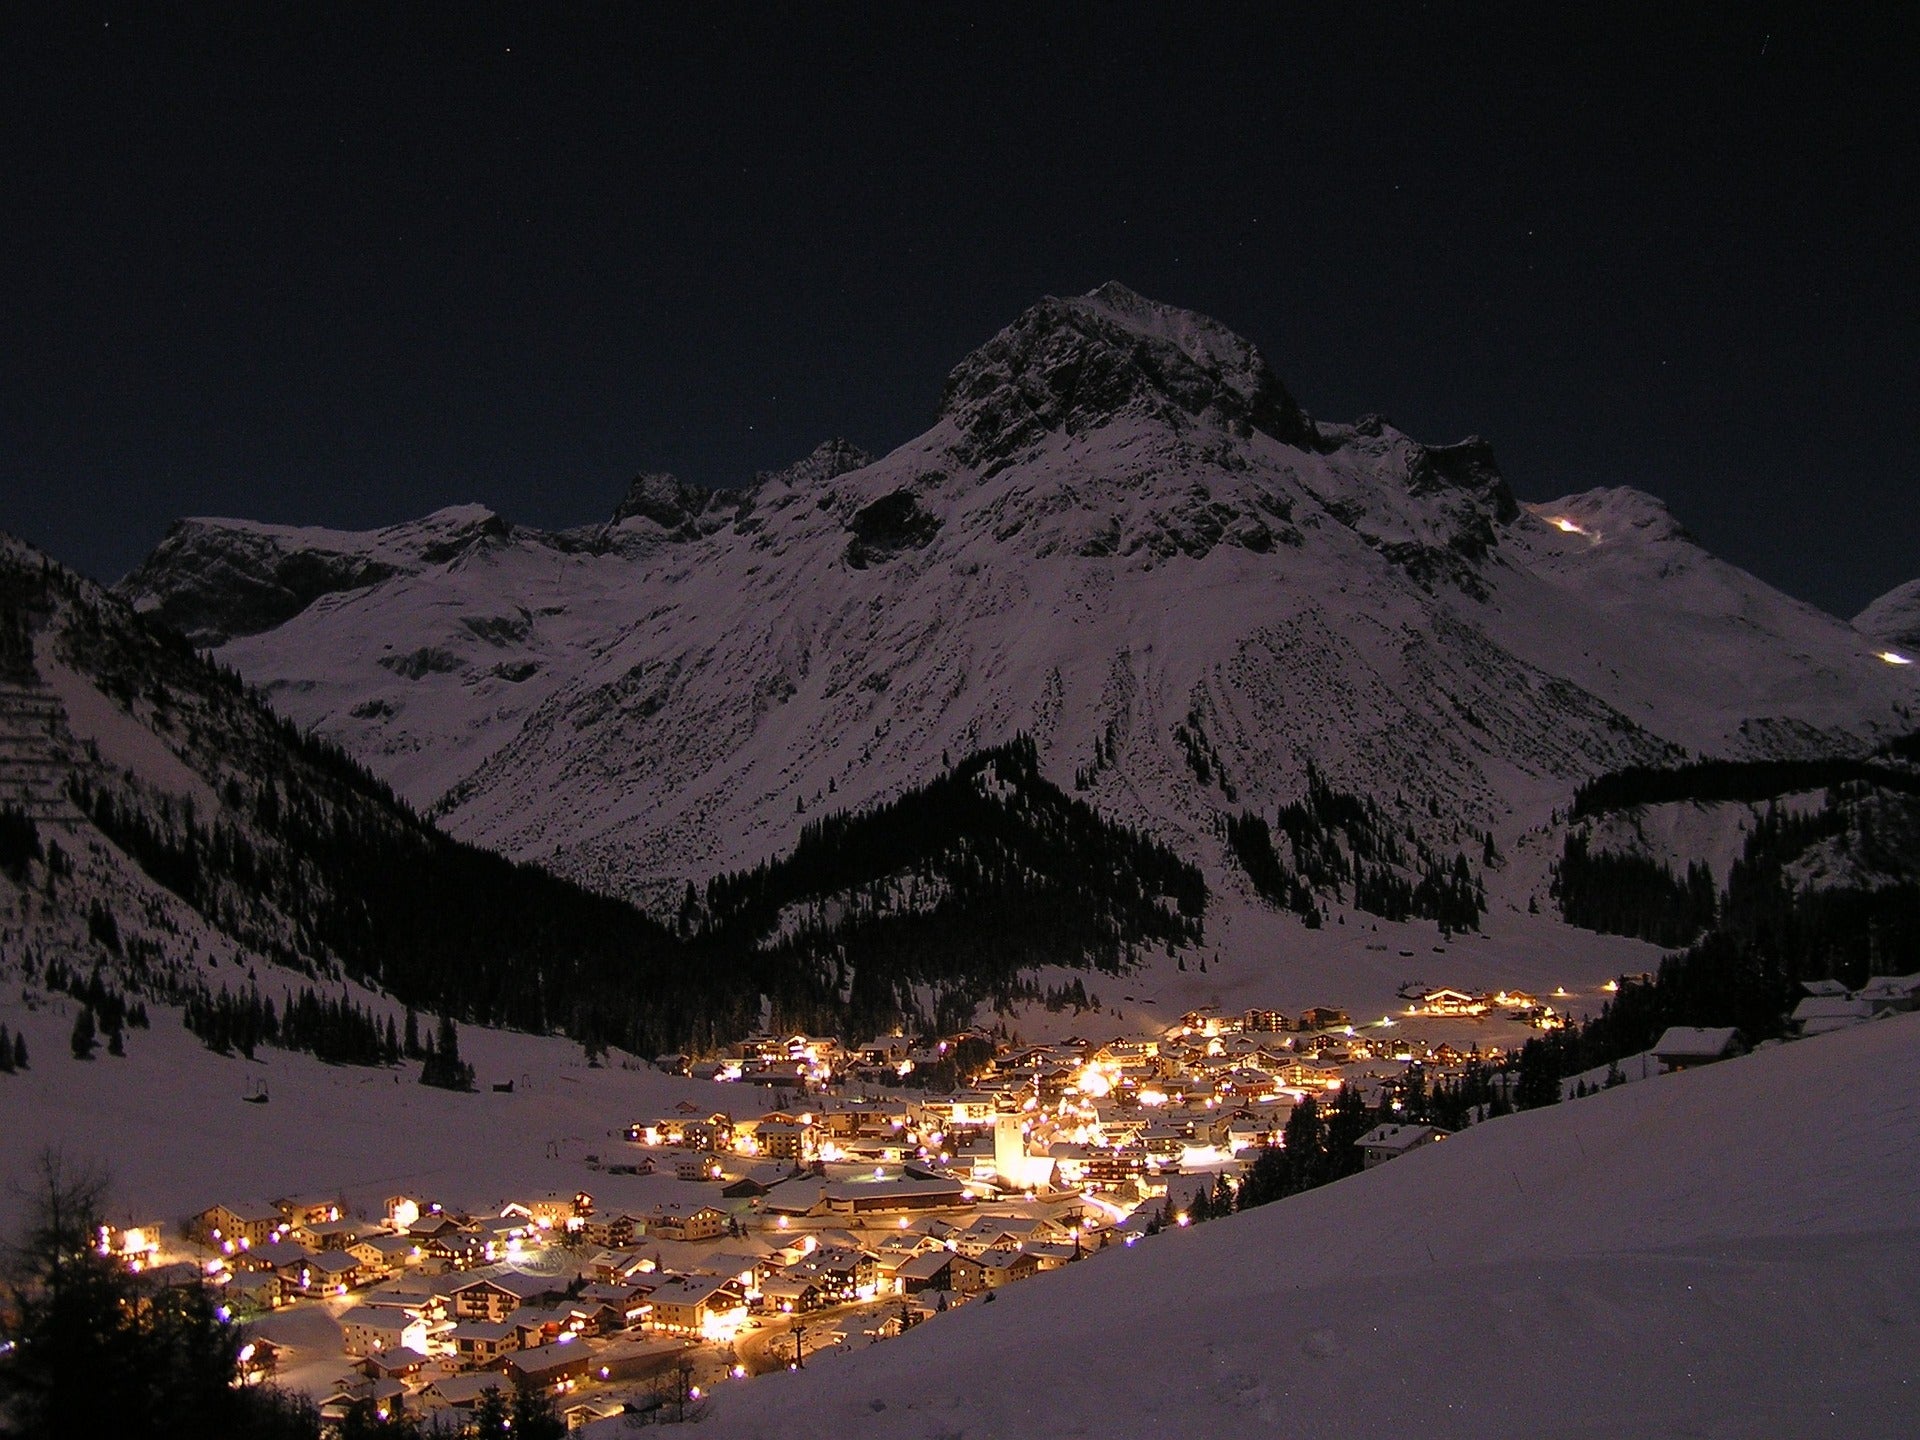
(1731, 1251)
(1121, 536)
(1894, 619)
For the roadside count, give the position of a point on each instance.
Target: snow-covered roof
(1692, 1042)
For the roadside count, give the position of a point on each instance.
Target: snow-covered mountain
(1894, 618)
(1121, 536)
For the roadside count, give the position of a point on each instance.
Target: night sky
(350, 266)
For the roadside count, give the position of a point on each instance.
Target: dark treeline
(19, 841)
(1632, 895)
(1341, 844)
(331, 1028)
(1748, 781)
(958, 887)
(1771, 933)
(104, 1009)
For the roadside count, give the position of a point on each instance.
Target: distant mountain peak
(1076, 364)
(829, 461)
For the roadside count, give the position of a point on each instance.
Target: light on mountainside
(1894, 657)
(1571, 527)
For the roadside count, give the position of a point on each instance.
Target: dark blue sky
(348, 266)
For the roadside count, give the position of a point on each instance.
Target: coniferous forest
(1345, 846)
(1771, 926)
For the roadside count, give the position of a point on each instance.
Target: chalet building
(1892, 992)
(1005, 1265)
(843, 1272)
(1681, 1047)
(458, 1250)
(792, 1294)
(1324, 1017)
(495, 1297)
(686, 1222)
(275, 1255)
(300, 1211)
(331, 1234)
(712, 1132)
(624, 1306)
(479, 1343)
(239, 1225)
(557, 1210)
(697, 1165)
(1117, 1166)
(1389, 1142)
(388, 1397)
(256, 1291)
(391, 1252)
(613, 1267)
(786, 1139)
(696, 1306)
(335, 1272)
(549, 1365)
(460, 1392)
(615, 1230)
(941, 1270)
(366, 1330)
(1820, 1014)
(1052, 1255)
(401, 1363)
(1452, 1002)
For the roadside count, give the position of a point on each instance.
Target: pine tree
(83, 1040)
(410, 1045)
(99, 1353)
(492, 1419)
(20, 1052)
(6, 1052)
(533, 1417)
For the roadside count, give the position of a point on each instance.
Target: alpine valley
(1005, 797)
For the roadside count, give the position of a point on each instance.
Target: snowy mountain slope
(1730, 1251)
(1894, 618)
(1121, 537)
(162, 823)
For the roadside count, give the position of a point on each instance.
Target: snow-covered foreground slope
(1120, 536)
(1732, 1251)
(169, 1124)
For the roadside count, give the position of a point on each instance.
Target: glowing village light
(1893, 657)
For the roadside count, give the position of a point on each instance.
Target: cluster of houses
(911, 1202)
(1110, 1119)
(1830, 1005)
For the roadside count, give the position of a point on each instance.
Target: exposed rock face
(664, 500)
(1071, 366)
(891, 524)
(213, 583)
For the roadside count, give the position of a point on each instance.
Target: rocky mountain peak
(663, 499)
(1074, 365)
(829, 461)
